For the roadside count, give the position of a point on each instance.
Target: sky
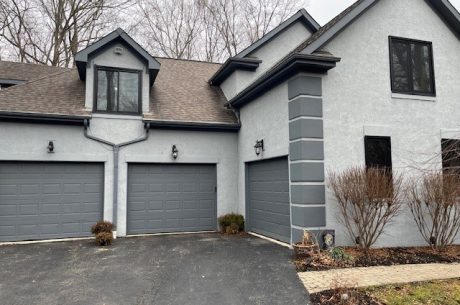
(325, 10)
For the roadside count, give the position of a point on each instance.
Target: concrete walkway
(316, 281)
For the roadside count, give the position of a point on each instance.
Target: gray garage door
(43, 200)
(268, 198)
(171, 198)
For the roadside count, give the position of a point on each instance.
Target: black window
(118, 91)
(451, 155)
(411, 67)
(378, 152)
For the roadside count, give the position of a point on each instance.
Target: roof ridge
(327, 26)
(34, 80)
(190, 60)
(34, 64)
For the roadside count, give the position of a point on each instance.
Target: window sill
(117, 116)
(413, 97)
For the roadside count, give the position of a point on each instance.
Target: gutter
(293, 64)
(194, 126)
(116, 149)
(42, 118)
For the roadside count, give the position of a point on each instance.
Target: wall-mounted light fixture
(174, 152)
(259, 147)
(50, 147)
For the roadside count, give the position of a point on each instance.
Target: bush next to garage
(103, 231)
(231, 223)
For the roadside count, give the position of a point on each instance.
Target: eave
(292, 65)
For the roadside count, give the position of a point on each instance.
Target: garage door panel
(268, 198)
(40, 200)
(273, 207)
(182, 196)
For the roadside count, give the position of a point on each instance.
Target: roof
(181, 93)
(81, 58)
(23, 71)
(445, 9)
(335, 26)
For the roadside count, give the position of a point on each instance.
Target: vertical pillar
(306, 155)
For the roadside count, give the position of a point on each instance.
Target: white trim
(307, 117)
(308, 183)
(117, 116)
(308, 205)
(306, 95)
(306, 161)
(306, 139)
(309, 228)
(413, 97)
(271, 240)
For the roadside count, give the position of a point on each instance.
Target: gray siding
(171, 198)
(268, 199)
(44, 200)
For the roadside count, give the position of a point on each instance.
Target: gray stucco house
(163, 145)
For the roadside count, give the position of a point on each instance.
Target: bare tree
(262, 15)
(435, 205)
(51, 31)
(170, 27)
(210, 30)
(368, 200)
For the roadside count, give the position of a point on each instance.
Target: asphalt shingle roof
(180, 93)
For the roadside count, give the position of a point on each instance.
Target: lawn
(446, 292)
(431, 293)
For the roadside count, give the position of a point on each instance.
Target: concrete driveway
(197, 269)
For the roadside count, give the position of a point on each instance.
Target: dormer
(118, 74)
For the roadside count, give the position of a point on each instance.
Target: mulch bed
(380, 257)
(333, 297)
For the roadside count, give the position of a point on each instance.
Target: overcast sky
(325, 10)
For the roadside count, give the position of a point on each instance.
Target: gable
(445, 10)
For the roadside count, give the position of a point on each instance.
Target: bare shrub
(368, 200)
(435, 205)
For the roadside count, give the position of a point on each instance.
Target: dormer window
(118, 91)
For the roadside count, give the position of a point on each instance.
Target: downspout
(115, 149)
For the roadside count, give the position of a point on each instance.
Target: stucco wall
(264, 118)
(27, 142)
(270, 54)
(108, 58)
(358, 100)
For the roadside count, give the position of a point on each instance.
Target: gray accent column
(306, 155)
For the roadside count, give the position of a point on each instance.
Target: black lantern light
(174, 152)
(259, 147)
(50, 147)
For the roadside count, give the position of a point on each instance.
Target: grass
(427, 293)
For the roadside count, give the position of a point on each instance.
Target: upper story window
(411, 67)
(118, 90)
(378, 152)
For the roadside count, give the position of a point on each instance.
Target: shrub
(102, 226)
(435, 206)
(339, 255)
(104, 238)
(368, 200)
(231, 223)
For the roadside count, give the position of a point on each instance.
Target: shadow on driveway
(199, 269)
